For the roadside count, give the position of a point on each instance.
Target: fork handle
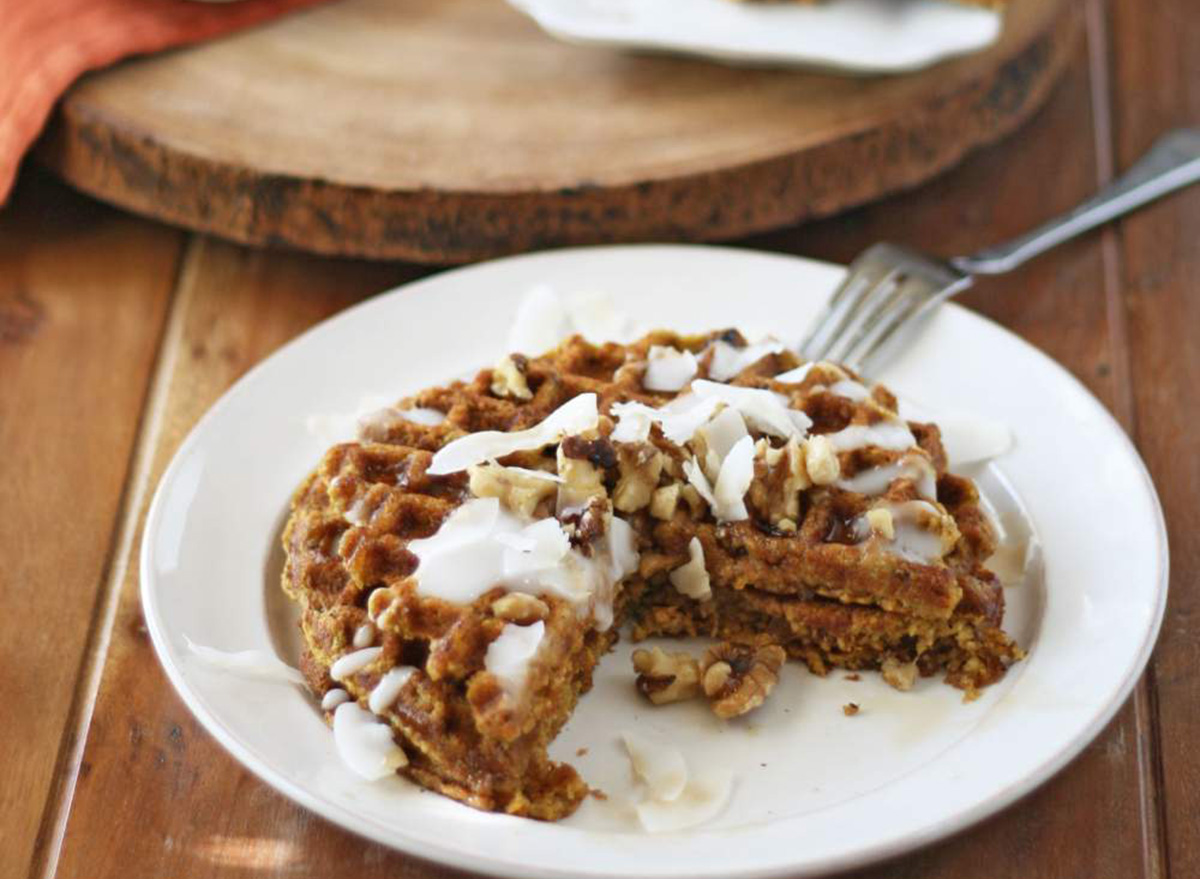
(1172, 163)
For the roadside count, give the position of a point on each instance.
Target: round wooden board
(454, 130)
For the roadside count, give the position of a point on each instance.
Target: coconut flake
(691, 579)
(970, 439)
(763, 410)
(679, 419)
(737, 472)
(595, 317)
(849, 389)
(509, 656)
(246, 663)
(577, 415)
(704, 797)
(388, 689)
(540, 323)
(365, 745)
(668, 369)
(720, 435)
(727, 361)
(892, 435)
(695, 475)
(661, 767)
(633, 422)
(342, 427)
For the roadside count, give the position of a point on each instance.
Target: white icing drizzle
(509, 656)
(892, 435)
(482, 546)
(797, 375)
(246, 663)
(365, 745)
(577, 415)
(364, 636)
(911, 540)
(668, 369)
(763, 410)
(727, 361)
(389, 687)
(333, 698)
(876, 480)
(352, 663)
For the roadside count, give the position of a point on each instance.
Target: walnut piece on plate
(737, 678)
(666, 677)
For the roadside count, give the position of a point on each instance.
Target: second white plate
(851, 36)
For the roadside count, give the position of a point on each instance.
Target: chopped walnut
(666, 677)
(821, 461)
(518, 490)
(664, 501)
(850, 709)
(691, 497)
(581, 479)
(901, 675)
(737, 678)
(640, 465)
(508, 378)
(880, 520)
(520, 608)
(780, 475)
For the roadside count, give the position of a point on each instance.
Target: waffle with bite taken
(696, 486)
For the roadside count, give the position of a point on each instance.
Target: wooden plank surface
(500, 139)
(156, 796)
(1156, 79)
(83, 296)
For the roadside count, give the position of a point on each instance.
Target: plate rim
(449, 856)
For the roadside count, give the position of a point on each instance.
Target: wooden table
(116, 334)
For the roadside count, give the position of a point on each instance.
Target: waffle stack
(764, 501)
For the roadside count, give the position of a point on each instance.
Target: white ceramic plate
(853, 36)
(815, 790)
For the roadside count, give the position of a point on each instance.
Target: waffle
(856, 549)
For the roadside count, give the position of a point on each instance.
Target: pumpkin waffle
(763, 501)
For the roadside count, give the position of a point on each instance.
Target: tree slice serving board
(455, 130)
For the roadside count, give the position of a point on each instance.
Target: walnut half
(666, 677)
(737, 678)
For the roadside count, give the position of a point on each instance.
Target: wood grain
(156, 796)
(83, 294)
(450, 130)
(1156, 78)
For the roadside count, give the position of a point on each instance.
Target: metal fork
(890, 290)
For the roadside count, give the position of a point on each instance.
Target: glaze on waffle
(852, 547)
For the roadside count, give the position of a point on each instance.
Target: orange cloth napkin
(46, 44)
